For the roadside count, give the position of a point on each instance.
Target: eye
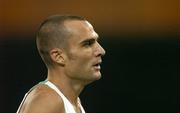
(89, 43)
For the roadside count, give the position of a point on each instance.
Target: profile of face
(84, 52)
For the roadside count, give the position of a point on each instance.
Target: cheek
(82, 64)
(80, 58)
(79, 67)
(81, 55)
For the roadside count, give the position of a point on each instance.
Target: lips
(97, 65)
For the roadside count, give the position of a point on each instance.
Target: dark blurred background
(141, 67)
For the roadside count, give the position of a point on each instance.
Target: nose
(99, 50)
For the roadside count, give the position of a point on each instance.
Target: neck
(70, 88)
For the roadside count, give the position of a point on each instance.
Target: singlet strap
(25, 96)
(67, 105)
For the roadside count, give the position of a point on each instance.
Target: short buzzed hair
(53, 34)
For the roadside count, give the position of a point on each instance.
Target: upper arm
(43, 102)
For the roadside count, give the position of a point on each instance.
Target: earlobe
(57, 56)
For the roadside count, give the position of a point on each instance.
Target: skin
(73, 68)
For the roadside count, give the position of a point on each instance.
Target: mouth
(97, 65)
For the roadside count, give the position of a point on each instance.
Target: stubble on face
(81, 59)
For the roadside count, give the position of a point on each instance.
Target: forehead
(80, 29)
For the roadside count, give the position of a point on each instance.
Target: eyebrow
(89, 39)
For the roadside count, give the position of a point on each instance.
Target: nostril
(100, 53)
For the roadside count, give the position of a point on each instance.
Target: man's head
(53, 34)
(71, 42)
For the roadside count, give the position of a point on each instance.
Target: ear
(57, 56)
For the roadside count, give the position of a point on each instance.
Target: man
(68, 46)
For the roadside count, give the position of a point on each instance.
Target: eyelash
(89, 43)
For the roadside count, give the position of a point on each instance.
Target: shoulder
(43, 100)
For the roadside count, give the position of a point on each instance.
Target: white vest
(67, 105)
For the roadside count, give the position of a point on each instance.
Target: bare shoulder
(43, 100)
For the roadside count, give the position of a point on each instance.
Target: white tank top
(67, 105)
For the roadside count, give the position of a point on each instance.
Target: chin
(97, 76)
(94, 78)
